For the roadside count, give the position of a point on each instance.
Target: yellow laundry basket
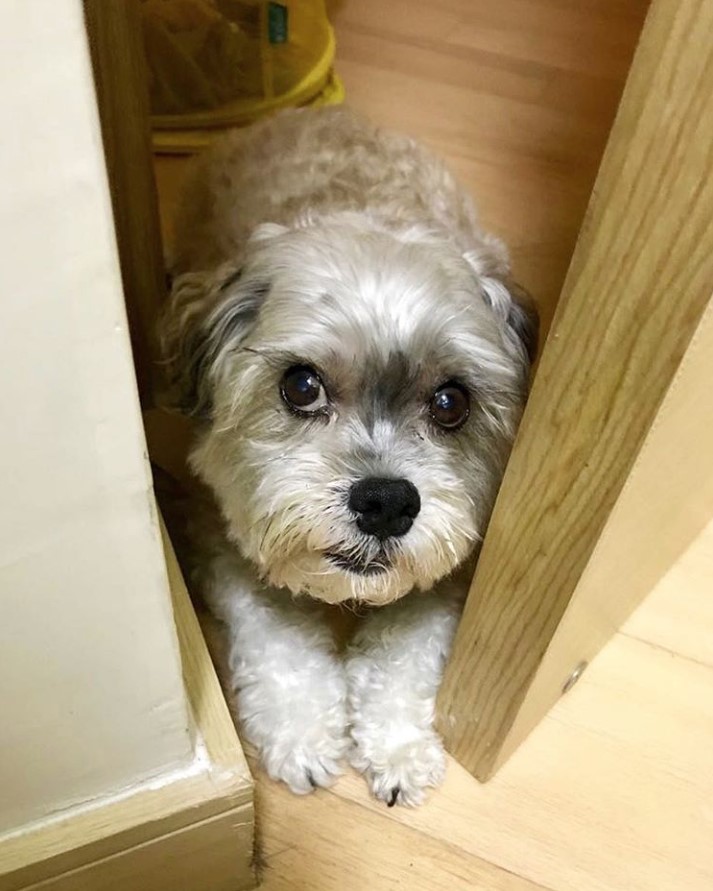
(221, 63)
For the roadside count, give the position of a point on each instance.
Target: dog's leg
(288, 680)
(394, 669)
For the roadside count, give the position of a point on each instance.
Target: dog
(356, 356)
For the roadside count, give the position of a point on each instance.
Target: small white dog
(348, 338)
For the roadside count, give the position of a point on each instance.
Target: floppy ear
(209, 313)
(522, 318)
(510, 302)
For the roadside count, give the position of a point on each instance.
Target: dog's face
(361, 391)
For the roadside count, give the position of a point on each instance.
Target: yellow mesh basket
(220, 63)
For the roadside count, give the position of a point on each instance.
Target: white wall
(91, 697)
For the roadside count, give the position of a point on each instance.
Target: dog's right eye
(302, 389)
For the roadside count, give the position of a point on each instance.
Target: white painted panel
(91, 697)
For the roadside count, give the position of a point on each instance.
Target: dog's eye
(450, 406)
(303, 390)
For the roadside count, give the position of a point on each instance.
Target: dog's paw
(399, 770)
(306, 760)
(303, 769)
(297, 721)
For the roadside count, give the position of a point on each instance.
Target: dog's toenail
(394, 797)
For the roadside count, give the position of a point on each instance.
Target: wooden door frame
(610, 477)
(121, 83)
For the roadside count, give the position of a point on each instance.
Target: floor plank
(333, 842)
(679, 612)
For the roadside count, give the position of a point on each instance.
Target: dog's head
(360, 390)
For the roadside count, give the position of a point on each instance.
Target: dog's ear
(521, 316)
(209, 314)
(510, 302)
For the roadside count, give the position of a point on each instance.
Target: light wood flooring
(614, 790)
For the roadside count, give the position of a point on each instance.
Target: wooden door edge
(637, 289)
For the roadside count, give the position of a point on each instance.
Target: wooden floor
(614, 790)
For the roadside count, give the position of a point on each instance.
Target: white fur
(317, 239)
(394, 668)
(289, 682)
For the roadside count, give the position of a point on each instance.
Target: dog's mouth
(376, 566)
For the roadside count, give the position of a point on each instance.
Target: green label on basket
(277, 28)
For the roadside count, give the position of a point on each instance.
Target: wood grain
(116, 44)
(372, 853)
(638, 285)
(208, 706)
(205, 855)
(667, 500)
(688, 583)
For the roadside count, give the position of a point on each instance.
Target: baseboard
(192, 830)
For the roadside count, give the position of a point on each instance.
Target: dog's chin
(354, 565)
(336, 577)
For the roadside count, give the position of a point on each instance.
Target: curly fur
(316, 239)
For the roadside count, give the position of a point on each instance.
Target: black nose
(384, 508)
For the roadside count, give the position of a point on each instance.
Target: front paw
(306, 766)
(399, 763)
(297, 746)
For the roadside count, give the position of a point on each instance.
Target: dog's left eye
(450, 406)
(303, 390)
